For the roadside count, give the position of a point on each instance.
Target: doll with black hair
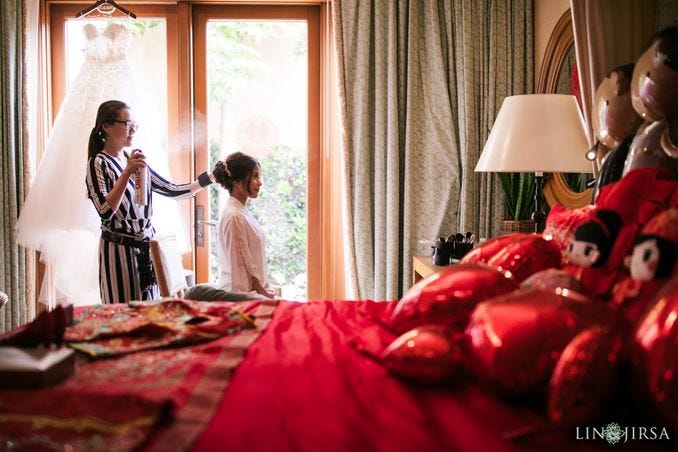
(651, 264)
(656, 248)
(593, 240)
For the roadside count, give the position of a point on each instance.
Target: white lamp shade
(537, 133)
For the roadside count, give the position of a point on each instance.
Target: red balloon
(527, 255)
(655, 346)
(486, 250)
(448, 297)
(584, 377)
(516, 339)
(552, 279)
(562, 222)
(426, 354)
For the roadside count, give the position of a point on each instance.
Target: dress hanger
(105, 7)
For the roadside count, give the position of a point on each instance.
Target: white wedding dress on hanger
(57, 218)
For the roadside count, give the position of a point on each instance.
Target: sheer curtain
(15, 264)
(419, 85)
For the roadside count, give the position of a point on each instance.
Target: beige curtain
(607, 34)
(420, 83)
(14, 264)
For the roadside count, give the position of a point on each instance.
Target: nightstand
(422, 266)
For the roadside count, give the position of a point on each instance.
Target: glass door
(256, 79)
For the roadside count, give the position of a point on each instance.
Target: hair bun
(220, 172)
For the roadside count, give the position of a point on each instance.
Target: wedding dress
(57, 218)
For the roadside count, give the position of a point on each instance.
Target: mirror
(554, 77)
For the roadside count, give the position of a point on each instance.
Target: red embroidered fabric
(118, 404)
(119, 329)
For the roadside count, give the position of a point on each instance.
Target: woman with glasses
(125, 269)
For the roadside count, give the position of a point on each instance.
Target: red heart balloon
(486, 250)
(426, 354)
(448, 297)
(552, 279)
(516, 339)
(584, 377)
(655, 346)
(527, 255)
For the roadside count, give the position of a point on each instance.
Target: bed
(281, 376)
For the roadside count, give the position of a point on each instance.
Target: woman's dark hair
(106, 114)
(234, 168)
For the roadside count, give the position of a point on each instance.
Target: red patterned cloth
(118, 404)
(56, 420)
(105, 331)
(47, 328)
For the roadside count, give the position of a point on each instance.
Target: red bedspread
(306, 386)
(308, 382)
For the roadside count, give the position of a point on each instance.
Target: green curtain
(420, 83)
(13, 260)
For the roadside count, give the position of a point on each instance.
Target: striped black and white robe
(118, 266)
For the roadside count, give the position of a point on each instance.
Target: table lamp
(537, 133)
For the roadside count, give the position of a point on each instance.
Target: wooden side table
(422, 266)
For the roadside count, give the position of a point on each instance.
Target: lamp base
(509, 227)
(538, 215)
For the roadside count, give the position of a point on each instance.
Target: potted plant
(518, 191)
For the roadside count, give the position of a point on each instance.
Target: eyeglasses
(129, 125)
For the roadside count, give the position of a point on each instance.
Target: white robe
(242, 249)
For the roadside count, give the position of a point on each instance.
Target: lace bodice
(109, 44)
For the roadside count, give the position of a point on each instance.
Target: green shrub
(281, 211)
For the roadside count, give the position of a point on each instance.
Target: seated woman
(241, 250)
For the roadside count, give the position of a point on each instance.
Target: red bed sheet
(306, 385)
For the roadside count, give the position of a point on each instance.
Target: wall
(546, 15)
